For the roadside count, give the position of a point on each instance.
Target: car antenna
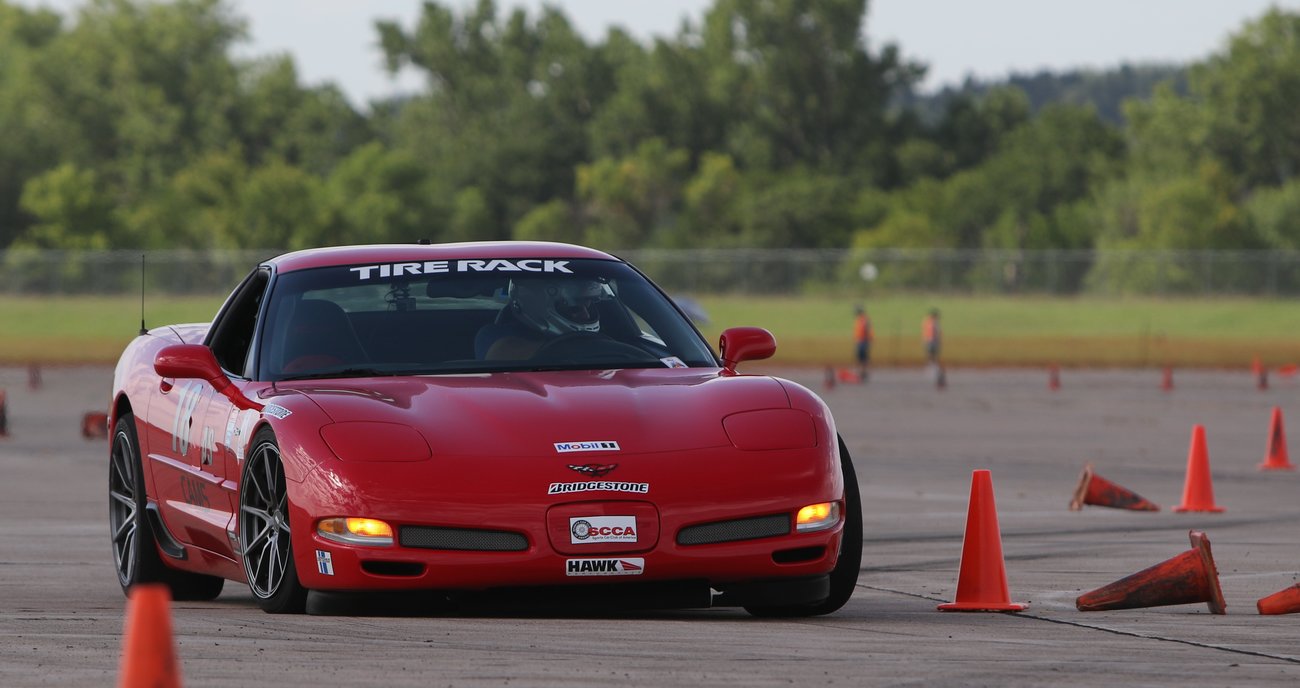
(143, 329)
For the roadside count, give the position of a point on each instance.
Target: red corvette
(474, 419)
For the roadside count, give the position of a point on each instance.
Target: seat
(320, 335)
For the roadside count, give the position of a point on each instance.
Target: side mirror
(196, 362)
(744, 344)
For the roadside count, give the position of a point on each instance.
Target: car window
(472, 316)
(231, 335)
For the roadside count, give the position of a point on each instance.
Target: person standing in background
(931, 336)
(862, 336)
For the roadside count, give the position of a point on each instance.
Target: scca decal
(596, 529)
(435, 267)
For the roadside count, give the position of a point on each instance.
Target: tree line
(764, 123)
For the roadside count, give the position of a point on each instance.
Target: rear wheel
(264, 535)
(844, 577)
(135, 552)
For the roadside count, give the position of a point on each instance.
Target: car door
(226, 429)
(179, 415)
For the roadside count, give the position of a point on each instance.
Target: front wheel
(844, 577)
(264, 537)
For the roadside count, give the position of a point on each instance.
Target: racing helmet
(558, 306)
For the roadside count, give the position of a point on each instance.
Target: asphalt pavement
(915, 447)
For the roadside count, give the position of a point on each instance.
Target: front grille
(731, 531)
(464, 539)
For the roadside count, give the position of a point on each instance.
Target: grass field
(978, 331)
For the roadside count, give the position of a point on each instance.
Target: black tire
(844, 577)
(265, 544)
(135, 551)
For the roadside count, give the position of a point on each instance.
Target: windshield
(460, 316)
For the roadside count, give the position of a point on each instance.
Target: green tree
(1251, 94)
(800, 86)
(72, 210)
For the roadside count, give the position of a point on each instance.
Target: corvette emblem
(595, 470)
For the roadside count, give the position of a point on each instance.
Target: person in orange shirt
(931, 336)
(862, 336)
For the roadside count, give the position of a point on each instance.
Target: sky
(335, 40)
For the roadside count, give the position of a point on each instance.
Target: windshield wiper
(345, 372)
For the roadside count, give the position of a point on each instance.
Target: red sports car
(467, 419)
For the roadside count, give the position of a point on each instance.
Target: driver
(538, 310)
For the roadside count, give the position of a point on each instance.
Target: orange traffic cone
(982, 576)
(94, 425)
(1285, 601)
(1054, 378)
(1276, 459)
(1098, 491)
(1198, 490)
(1167, 384)
(848, 376)
(148, 649)
(1187, 578)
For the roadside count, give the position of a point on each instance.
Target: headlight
(771, 429)
(356, 531)
(815, 517)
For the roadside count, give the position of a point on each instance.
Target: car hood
(521, 414)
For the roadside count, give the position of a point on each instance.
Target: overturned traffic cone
(148, 649)
(1198, 489)
(1098, 491)
(1187, 578)
(1286, 601)
(848, 377)
(1054, 378)
(1276, 459)
(94, 425)
(982, 576)
(1167, 384)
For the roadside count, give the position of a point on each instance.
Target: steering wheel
(592, 344)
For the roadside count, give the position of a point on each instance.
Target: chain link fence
(743, 271)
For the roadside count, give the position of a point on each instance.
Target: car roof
(392, 253)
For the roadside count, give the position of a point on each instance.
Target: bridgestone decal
(598, 486)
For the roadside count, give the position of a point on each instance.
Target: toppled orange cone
(1187, 578)
(148, 649)
(1198, 489)
(1285, 601)
(94, 425)
(1276, 459)
(1098, 491)
(982, 576)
